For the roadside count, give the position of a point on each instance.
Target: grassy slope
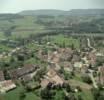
(14, 95)
(85, 94)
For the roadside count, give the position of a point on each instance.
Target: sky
(14, 6)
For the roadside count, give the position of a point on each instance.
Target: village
(60, 66)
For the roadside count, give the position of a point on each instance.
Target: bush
(87, 79)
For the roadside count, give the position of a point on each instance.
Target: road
(93, 80)
(89, 45)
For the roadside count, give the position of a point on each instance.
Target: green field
(15, 94)
(2, 35)
(4, 48)
(67, 41)
(85, 94)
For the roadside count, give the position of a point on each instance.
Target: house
(67, 66)
(42, 55)
(6, 86)
(92, 58)
(101, 75)
(66, 54)
(78, 64)
(2, 76)
(76, 58)
(65, 50)
(52, 77)
(54, 57)
(17, 73)
(33, 85)
(26, 78)
(44, 83)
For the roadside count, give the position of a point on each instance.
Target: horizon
(50, 9)
(15, 6)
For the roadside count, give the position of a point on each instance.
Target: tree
(60, 95)
(67, 87)
(47, 94)
(79, 97)
(101, 97)
(87, 79)
(99, 61)
(7, 33)
(6, 74)
(21, 57)
(98, 94)
(40, 74)
(72, 97)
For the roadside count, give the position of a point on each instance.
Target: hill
(86, 12)
(43, 12)
(73, 12)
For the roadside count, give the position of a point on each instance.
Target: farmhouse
(6, 86)
(17, 73)
(101, 75)
(92, 58)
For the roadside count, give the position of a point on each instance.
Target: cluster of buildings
(78, 62)
(25, 73)
(71, 60)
